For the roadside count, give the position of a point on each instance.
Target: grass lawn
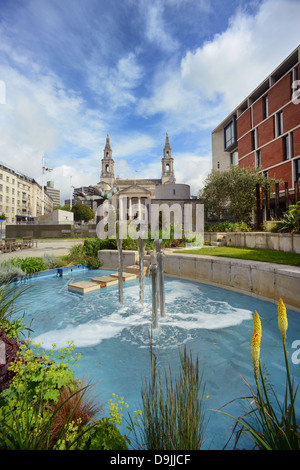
(269, 256)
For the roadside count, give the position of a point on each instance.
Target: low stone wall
(109, 258)
(50, 231)
(289, 242)
(264, 280)
(268, 281)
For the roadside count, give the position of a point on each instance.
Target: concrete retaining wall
(50, 231)
(265, 240)
(109, 258)
(268, 281)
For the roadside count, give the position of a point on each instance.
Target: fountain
(161, 281)
(120, 270)
(141, 270)
(158, 288)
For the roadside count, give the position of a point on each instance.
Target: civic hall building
(263, 132)
(130, 195)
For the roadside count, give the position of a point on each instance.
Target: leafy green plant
(45, 407)
(30, 264)
(228, 227)
(291, 220)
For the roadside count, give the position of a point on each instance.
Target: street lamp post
(44, 168)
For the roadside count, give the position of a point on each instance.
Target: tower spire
(107, 148)
(167, 148)
(107, 169)
(167, 174)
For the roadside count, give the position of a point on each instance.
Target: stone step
(134, 269)
(83, 287)
(125, 276)
(105, 281)
(219, 243)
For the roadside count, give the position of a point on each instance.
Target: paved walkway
(55, 247)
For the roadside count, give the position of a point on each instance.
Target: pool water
(113, 339)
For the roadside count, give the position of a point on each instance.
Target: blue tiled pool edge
(59, 272)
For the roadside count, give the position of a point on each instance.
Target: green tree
(234, 190)
(66, 207)
(82, 212)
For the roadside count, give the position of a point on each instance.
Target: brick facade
(260, 128)
(267, 128)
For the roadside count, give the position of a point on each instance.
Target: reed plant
(173, 416)
(271, 425)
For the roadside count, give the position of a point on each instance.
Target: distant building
(135, 192)
(53, 193)
(263, 132)
(21, 196)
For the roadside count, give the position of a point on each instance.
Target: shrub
(291, 220)
(51, 261)
(228, 227)
(9, 272)
(30, 264)
(45, 407)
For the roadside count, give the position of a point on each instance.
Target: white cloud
(236, 61)
(156, 28)
(216, 77)
(192, 169)
(42, 117)
(115, 84)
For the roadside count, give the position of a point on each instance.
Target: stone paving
(55, 247)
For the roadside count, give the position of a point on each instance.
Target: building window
(258, 159)
(253, 140)
(279, 123)
(288, 146)
(234, 158)
(230, 135)
(297, 169)
(266, 106)
(266, 174)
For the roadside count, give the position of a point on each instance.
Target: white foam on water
(208, 321)
(91, 333)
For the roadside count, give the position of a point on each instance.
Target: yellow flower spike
(257, 323)
(282, 319)
(255, 350)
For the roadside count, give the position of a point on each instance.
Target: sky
(73, 71)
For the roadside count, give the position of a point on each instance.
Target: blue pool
(113, 339)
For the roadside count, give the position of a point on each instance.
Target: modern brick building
(263, 132)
